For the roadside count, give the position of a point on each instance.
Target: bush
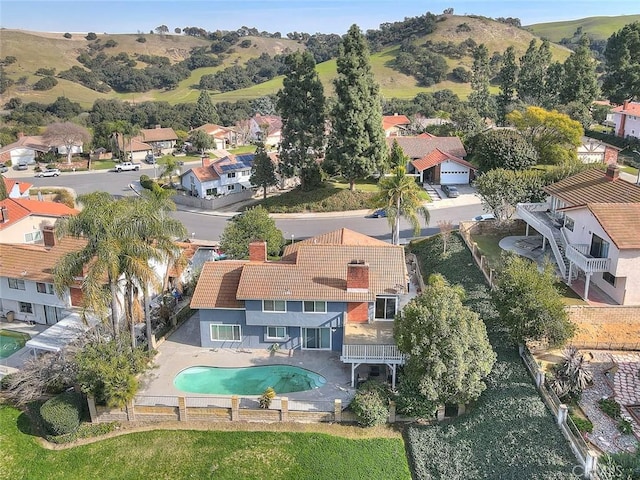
(625, 427)
(91, 36)
(61, 414)
(67, 35)
(141, 40)
(610, 407)
(267, 397)
(411, 402)
(46, 83)
(371, 404)
(583, 424)
(86, 430)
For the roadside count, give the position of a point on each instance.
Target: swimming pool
(11, 342)
(247, 380)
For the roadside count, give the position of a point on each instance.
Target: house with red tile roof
(591, 222)
(223, 137)
(436, 160)
(23, 220)
(266, 128)
(395, 125)
(334, 292)
(16, 189)
(627, 119)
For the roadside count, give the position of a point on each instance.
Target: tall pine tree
(581, 81)
(622, 58)
(357, 142)
(507, 77)
(205, 111)
(263, 172)
(533, 72)
(480, 97)
(301, 105)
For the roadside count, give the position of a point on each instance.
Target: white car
(484, 217)
(49, 172)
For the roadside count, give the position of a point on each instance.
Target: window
(274, 306)
(610, 279)
(314, 307)
(599, 247)
(231, 175)
(25, 307)
(569, 223)
(33, 237)
(16, 284)
(222, 333)
(276, 333)
(229, 187)
(44, 288)
(386, 308)
(212, 192)
(316, 338)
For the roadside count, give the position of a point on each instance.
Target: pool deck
(14, 362)
(183, 350)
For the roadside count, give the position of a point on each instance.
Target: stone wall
(606, 328)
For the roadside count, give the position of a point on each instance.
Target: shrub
(45, 83)
(67, 35)
(411, 402)
(625, 427)
(583, 424)
(141, 40)
(110, 43)
(610, 407)
(61, 414)
(66, 197)
(267, 397)
(91, 36)
(86, 430)
(371, 404)
(571, 376)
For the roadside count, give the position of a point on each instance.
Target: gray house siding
(295, 316)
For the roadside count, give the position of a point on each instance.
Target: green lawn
(508, 433)
(243, 149)
(185, 454)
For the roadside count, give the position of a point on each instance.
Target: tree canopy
(504, 149)
(622, 59)
(357, 142)
(263, 173)
(205, 110)
(449, 351)
(66, 134)
(529, 302)
(254, 224)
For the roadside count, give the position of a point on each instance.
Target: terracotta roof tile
(218, 284)
(35, 262)
(419, 147)
(157, 134)
(19, 208)
(342, 236)
(205, 174)
(22, 186)
(390, 121)
(632, 108)
(437, 157)
(13, 212)
(32, 142)
(621, 221)
(593, 186)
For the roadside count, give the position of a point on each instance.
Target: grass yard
(178, 454)
(508, 433)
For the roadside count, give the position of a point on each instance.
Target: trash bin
(10, 316)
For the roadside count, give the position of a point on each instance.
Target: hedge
(61, 415)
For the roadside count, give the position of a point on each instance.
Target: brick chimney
(158, 126)
(625, 104)
(206, 161)
(610, 155)
(20, 134)
(613, 172)
(258, 251)
(357, 276)
(4, 215)
(49, 236)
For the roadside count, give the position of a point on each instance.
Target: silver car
(49, 172)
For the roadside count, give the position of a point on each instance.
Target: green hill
(33, 51)
(600, 28)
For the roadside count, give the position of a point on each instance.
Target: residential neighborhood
(403, 252)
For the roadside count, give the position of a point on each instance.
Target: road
(205, 226)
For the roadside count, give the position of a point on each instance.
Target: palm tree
(127, 131)
(401, 196)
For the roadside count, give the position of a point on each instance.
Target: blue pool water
(247, 380)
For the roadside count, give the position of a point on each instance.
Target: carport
(58, 336)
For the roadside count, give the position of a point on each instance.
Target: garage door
(454, 177)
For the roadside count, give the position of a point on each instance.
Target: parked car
(49, 172)
(3, 168)
(379, 213)
(484, 217)
(450, 191)
(22, 166)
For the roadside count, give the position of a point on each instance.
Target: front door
(316, 338)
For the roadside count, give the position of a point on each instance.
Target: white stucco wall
(33, 223)
(631, 126)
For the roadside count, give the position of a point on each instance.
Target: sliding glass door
(316, 338)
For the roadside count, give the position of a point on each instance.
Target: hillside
(599, 28)
(60, 53)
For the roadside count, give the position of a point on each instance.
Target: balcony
(389, 354)
(579, 256)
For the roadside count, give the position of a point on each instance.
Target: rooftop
(593, 186)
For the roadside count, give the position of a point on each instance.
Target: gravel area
(605, 435)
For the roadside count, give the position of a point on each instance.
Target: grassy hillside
(599, 28)
(60, 53)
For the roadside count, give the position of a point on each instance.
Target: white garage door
(454, 177)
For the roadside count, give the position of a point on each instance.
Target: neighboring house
(627, 119)
(17, 189)
(395, 125)
(592, 151)
(592, 223)
(26, 280)
(223, 137)
(336, 292)
(161, 140)
(436, 159)
(134, 149)
(223, 176)
(266, 128)
(23, 151)
(23, 220)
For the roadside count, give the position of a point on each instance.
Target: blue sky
(326, 16)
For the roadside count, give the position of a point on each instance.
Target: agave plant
(571, 376)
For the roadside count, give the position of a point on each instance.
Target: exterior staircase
(433, 193)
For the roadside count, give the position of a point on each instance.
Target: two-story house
(223, 137)
(627, 119)
(23, 220)
(395, 125)
(266, 128)
(338, 292)
(591, 221)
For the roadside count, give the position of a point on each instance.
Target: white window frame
(231, 175)
(33, 237)
(274, 310)
(315, 305)
(46, 288)
(275, 337)
(231, 187)
(217, 326)
(386, 298)
(304, 337)
(25, 307)
(16, 284)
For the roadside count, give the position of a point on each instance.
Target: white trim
(274, 306)
(211, 325)
(386, 297)
(268, 338)
(303, 337)
(314, 306)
